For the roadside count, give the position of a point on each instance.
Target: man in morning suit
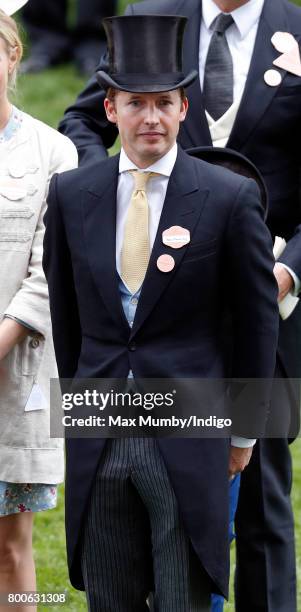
(263, 122)
(145, 514)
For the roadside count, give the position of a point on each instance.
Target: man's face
(148, 123)
(227, 6)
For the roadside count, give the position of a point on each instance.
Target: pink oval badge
(165, 263)
(284, 42)
(176, 237)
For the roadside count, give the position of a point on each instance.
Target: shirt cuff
(34, 331)
(297, 282)
(242, 442)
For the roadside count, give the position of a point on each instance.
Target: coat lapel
(257, 94)
(99, 217)
(197, 124)
(183, 206)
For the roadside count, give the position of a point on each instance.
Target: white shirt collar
(164, 165)
(245, 17)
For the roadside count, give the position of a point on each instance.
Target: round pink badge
(272, 78)
(166, 263)
(176, 237)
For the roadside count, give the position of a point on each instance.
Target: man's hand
(284, 280)
(239, 459)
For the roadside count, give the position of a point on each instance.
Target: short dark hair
(112, 91)
(111, 94)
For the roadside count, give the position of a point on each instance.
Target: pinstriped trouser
(134, 541)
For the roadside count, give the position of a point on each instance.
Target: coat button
(132, 346)
(32, 168)
(31, 189)
(34, 343)
(16, 170)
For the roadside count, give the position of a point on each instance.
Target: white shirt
(156, 191)
(240, 36)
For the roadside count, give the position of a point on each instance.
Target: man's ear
(184, 109)
(110, 110)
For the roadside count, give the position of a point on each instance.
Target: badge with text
(176, 237)
(290, 62)
(165, 263)
(284, 42)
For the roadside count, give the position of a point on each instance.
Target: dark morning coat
(267, 131)
(178, 318)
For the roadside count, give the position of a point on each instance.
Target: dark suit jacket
(178, 317)
(267, 131)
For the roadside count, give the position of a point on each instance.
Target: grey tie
(218, 77)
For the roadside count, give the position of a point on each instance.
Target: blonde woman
(31, 463)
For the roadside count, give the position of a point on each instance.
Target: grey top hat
(145, 54)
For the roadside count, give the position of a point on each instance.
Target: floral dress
(31, 497)
(20, 497)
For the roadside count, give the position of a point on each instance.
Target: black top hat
(233, 161)
(145, 53)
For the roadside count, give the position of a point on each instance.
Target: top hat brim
(148, 84)
(9, 7)
(236, 162)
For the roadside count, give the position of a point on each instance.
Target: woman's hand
(11, 333)
(3, 374)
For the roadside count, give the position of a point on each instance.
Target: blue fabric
(217, 601)
(32, 497)
(13, 125)
(129, 302)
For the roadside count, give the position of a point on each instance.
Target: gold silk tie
(135, 249)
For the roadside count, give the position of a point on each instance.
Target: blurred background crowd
(54, 40)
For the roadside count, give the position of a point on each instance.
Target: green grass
(297, 509)
(46, 96)
(50, 557)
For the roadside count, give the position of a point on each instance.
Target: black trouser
(265, 550)
(134, 540)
